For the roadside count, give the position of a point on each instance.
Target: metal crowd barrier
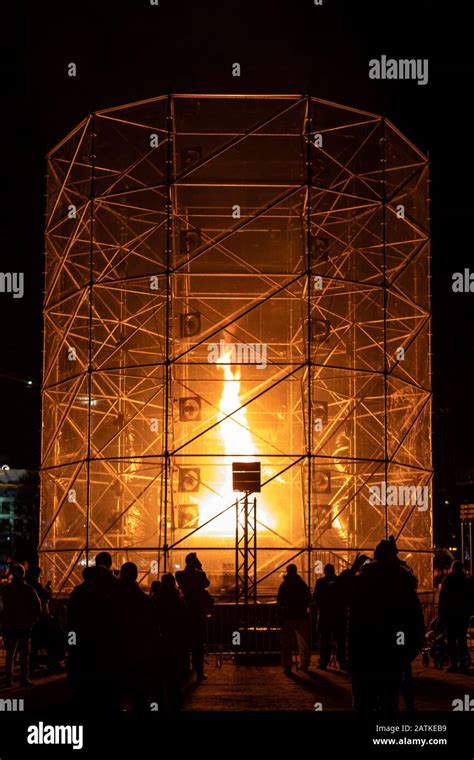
(256, 629)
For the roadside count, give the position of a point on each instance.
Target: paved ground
(234, 688)
(266, 688)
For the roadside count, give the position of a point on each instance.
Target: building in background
(19, 507)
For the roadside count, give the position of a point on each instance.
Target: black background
(132, 50)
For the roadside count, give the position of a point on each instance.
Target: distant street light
(15, 378)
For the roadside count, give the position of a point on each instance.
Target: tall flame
(234, 430)
(239, 445)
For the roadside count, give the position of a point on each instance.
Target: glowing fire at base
(236, 438)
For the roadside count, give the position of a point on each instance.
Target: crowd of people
(27, 624)
(120, 641)
(371, 622)
(137, 646)
(132, 644)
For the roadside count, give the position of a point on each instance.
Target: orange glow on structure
(236, 439)
(142, 429)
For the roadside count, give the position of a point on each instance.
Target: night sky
(130, 51)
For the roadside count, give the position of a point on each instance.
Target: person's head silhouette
(386, 551)
(192, 561)
(359, 561)
(18, 573)
(34, 573)
(456, 567)
(104, 559)
(129, 572)
(168, 582)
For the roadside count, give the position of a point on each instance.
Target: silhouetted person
(454, 610)
(331, 621)
(154, 588)
(346, 580)
(407, 687)
(344, 589)
(193, 583)
(438, 579)
(21, 609)
(293, 600)
(47, 632)
(93, 618)
(137, 638)
(386, 630)
(32, 577)
(174, 625)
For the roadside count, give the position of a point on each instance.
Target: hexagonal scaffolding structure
(235, 278)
